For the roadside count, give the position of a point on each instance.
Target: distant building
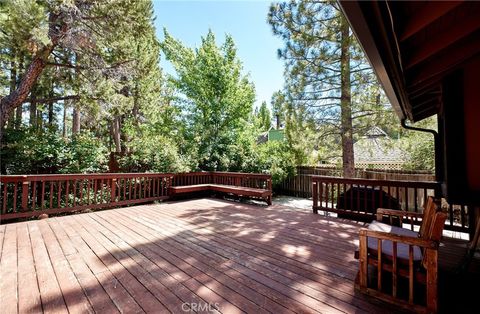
(377, 150)
(271, 135)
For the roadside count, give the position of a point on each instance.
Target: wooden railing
(33, 195)
(359, 198)
(192, 178)
(300, 184)
(251, 180)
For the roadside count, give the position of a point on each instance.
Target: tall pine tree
(326, 72)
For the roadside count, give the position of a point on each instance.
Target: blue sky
(246, 21)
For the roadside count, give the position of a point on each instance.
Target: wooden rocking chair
(402, 256)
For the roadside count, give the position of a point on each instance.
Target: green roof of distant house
(276, 135)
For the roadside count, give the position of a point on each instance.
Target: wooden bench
(396, 254)
(229, 183)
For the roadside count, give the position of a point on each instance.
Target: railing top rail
(242, 174)
(426, 184)
(195, 173)
(78, 176)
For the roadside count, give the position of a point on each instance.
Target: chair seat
(387, 245)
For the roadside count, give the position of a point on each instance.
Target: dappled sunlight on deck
(230, 256)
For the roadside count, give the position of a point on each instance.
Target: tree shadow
(209, 255)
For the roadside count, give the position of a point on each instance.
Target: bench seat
(231, 189)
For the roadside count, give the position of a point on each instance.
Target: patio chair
(400, 265)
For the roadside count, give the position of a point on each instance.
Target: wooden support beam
(449, 59)
(429, 13)
(442, 39)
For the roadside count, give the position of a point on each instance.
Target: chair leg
(432, 280)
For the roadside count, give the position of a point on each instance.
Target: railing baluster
(410, 274)
(95, 190)
(34, 197)
(394, 270)
(59, 193)
(74, 193)
(379, 266)
(15, 196)
(89, 183)
(51, 194)
(42, 200)
(406, 199)
(5, 200)
(415, 199)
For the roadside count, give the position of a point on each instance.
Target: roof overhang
(413, 45)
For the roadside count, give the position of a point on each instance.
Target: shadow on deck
(202, 255)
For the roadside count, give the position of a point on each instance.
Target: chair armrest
(424, 243)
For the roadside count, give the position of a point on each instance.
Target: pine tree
(326, 72)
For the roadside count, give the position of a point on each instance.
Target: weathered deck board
(226, 257)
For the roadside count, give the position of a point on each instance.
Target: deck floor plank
(8, 271)
(262, 283)
(226, 257)
(150, 275)
(76, 302)
(29, 300)
(124, 290)
(91, 287)
(248, 298)
(176, 267)
(50, 292)
(251, 259)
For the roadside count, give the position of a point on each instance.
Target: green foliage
(263, 118)
(312, 32)
(154, 153)
(420, 147)
(30, 152)
(214, 96)
(275, 158)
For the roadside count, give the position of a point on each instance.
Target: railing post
(315, 196)
(113, 189)
(25, 185)
(269, 185)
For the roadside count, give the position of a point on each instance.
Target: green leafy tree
(326, 72)
(263, 118)
(215, 97)
(419, 147)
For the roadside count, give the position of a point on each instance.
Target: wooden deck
(202, 255)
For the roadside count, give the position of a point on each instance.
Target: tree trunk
(346, 104)
(64, 124)
(39, 120)
(13, 86)
(75, 121)
(51, 114)
(116, 130)
(33, 108)
(39, 61)
(19, 114)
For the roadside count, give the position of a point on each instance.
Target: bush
(154, 153)
(275, 158)
(27, 151)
